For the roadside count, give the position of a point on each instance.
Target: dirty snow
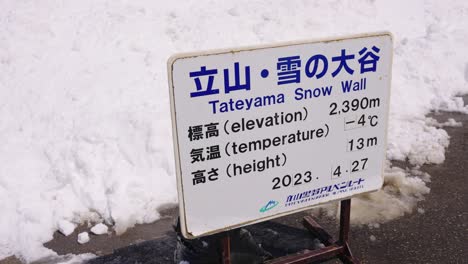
(68, 259)
(449, 123)
(85, 127)
(76, 259)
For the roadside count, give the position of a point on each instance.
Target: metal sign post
(332, 249)
(226, 246)
(263, 132)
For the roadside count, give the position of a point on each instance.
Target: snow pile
(85, 128)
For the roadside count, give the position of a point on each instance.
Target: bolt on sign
(262, 132)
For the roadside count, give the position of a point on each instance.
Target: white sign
(263, 132)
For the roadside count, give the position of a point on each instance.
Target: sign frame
(182, 212)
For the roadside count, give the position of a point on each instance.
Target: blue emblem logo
(270, 205)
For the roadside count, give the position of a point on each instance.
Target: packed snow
(85, 124)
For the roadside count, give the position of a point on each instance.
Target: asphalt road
(439, 235)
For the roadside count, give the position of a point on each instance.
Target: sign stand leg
(345, 213)
(226, 248)
(333, 249)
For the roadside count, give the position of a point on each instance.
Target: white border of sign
(180, 190)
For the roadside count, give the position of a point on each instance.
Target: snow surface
(99, 229)
(85, 126)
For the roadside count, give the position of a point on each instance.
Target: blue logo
(270, 205)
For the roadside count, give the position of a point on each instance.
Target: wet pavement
(440, 234)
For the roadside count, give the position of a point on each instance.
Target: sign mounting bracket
(333, 249)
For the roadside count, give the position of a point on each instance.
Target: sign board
(262, 132)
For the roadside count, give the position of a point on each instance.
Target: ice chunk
(83, 238)
(65, 227)
(99, 229)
